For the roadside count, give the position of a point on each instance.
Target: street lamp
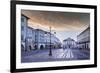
(50, 51)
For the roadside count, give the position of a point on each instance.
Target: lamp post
(50, 51)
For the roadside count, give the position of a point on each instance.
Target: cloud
(60, 21)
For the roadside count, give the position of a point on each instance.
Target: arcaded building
(24, 23)
(83, 39)
(43, 40)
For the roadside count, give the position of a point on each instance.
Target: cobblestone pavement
(57, 55)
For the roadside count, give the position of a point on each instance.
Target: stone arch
(41, 47)
(22, 47)
(36, 47)
(30, 47)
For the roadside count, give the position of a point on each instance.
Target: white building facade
(39, 39)
(24, 22)
(53, 41)
(36, 38)
(83, 39)
(69, 43)
(30, 37)
(43, 40)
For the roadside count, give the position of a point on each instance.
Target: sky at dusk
(65, 24)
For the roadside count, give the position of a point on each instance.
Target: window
(22, 27)
(22, 19)
(22, 37)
